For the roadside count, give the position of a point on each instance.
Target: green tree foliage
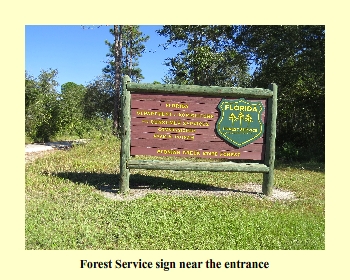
(124, 53)
(77, 111)
(293, 57)
(98, 99)
(134, 47)
(71, 108)
(208, 57)
(41, 106)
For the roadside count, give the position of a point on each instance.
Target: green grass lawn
(65, 210)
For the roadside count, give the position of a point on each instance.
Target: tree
(98, 99)
(31, 91)
(124, 51)
(294, 58)
(41, 106)
(71, 108)
(208, 57)
(134, 48)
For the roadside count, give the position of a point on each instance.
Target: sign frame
(266, 167)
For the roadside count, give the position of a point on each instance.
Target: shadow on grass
(110, 182)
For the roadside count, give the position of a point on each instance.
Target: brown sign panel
(184, 126)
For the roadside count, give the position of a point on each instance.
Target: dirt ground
(31, 156)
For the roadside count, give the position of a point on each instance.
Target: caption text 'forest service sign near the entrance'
(196, 121)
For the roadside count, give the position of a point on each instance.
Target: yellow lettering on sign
(170, 152)
(184, 137)
(207, 153)
(240, 108)
(174, 129)
(229, 154)
(195, 123)
(176, 105)
(178, 122)
(154, 113)
(166, 122)
(193, 115)
(162, 136)
(241, 129)
(191, 153)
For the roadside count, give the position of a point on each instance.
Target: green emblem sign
(240, 121)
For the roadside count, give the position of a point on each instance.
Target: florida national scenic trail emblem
(240, 121)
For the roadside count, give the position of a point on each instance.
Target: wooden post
(198, 166)
(125, 137)
(201, 90)
(268, 178)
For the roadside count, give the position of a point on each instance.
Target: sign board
(198, 121)
(196, 126)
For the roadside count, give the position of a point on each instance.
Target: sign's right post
(268, 178)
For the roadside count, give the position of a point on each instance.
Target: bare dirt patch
(254, 190)
(30, 157)
(37, 150)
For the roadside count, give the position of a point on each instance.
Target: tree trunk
(118, 44)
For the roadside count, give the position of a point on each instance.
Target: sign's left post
(125, 136)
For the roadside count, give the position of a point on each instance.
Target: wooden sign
(187, 126)
(198, 121)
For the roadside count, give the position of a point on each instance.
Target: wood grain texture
(125, 137)
(201, 90)
(224, 154)
(174, 122)
(198, 166)
(268, 178)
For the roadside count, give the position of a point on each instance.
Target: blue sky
(79, 54)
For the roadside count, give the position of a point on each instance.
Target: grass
(64, 210)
